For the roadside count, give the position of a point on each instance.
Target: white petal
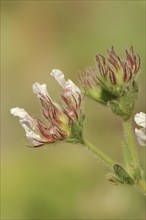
(68, 86)
(20, 112)
(29, 125)
(32, 136)
(59, 76)
(40, 90)
(141, 142)
(140, 119)
(72, 86)
(25, 118)
(141, 136)
(23, 115)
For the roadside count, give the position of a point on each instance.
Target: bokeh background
(64, 180)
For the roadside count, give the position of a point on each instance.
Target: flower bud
(115, 73)
(113, 81)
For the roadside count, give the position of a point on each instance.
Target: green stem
(99, 153)
(130, 145)
(141, 184)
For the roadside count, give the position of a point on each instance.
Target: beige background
(64, 180)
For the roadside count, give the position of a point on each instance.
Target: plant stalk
(109, 162)
(130, 145)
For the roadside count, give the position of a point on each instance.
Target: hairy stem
(130, 145)
(98, 153)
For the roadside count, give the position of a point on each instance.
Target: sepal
(76, 131)
(122, 174)
(124, 105)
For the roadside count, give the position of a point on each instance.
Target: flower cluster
(113, 81)
(64, 121)
(140, 119)
(112, 73)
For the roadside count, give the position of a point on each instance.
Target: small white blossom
(19, 112)
(140, 119)
(68, 86)
(29, 125)
(60, 118)
(40, 90)
(25, 118)
(59, 76)
(33, 137)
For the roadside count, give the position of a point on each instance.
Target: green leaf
(76, 130)
(122, 174)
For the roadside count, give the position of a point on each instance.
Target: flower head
(140, 119)
(64, 121)
(115, 72)
(112, 73)
(113, 81)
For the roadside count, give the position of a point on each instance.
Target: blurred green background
(64, 180)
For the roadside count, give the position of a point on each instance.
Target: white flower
(140, 119)
(40, 90)
(32, 136)
(59, 76)
(60, 118)
(29, 125)
(24, 116)
(19, 112)
(68, 86)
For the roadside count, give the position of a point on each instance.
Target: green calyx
(76, 130)
(121, 99)
(124, 104)
(122, 174)
(100, 94)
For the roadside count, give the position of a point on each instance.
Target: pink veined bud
(111, 67)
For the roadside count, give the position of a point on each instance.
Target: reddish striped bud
(116, 71)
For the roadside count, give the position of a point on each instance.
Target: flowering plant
(112, 82)
(64, 122)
